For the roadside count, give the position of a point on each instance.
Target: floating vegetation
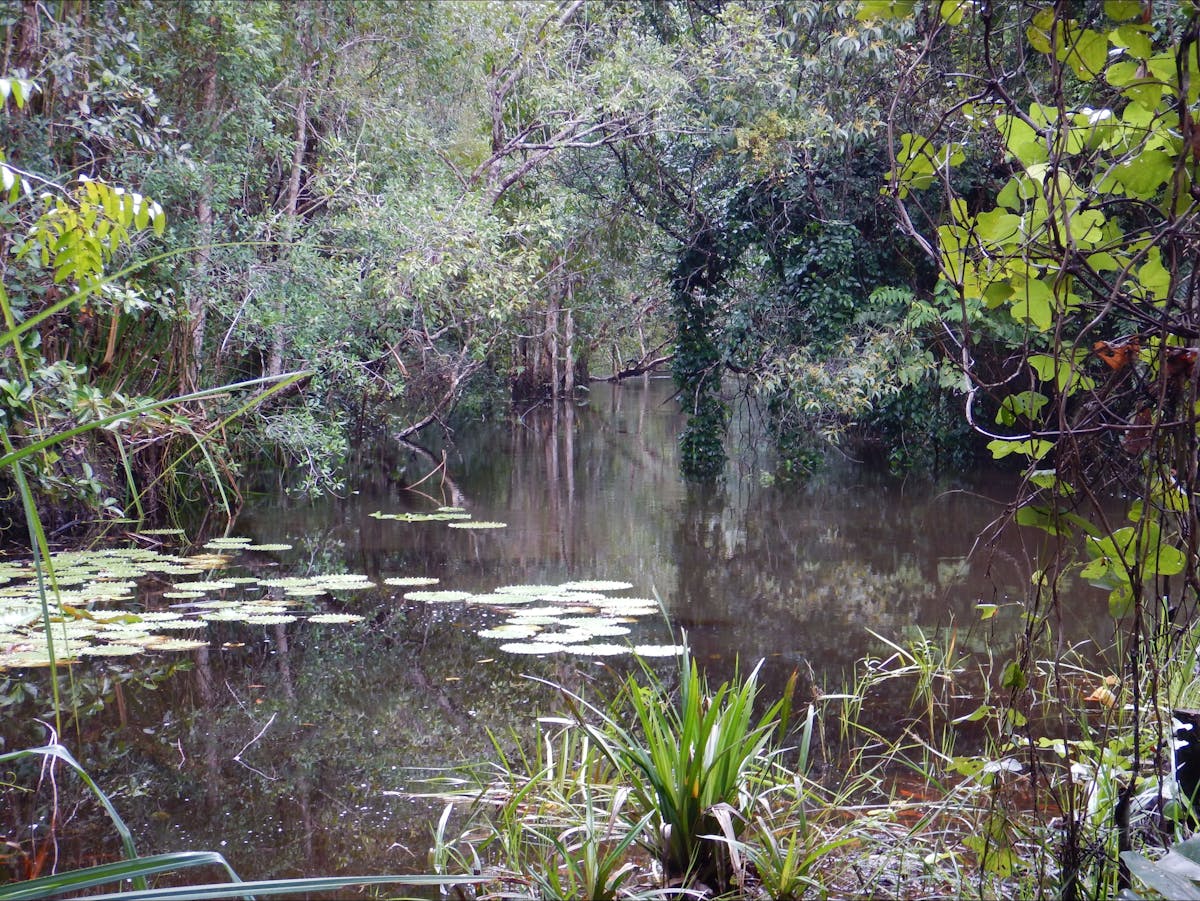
(437, 597)
(445, 516)
(410, 581)
(336, 618)
(451, 510)
(268, 547)
(541, 611)
(161, 532)
(533, 620)
(531, 590)
(501, 600)
(596, 585)
(658, 650)
(177, 644)
(479, 524)
(109, 650)
(533, 647)
(573, 597)
(570, 617)
(509, 631)
(599, 650)
(89, 583)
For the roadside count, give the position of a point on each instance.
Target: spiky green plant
(694, 763)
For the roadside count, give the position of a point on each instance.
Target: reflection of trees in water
(280, 753)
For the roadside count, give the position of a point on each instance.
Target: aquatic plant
(695, 758)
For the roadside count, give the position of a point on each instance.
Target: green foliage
(693, 759)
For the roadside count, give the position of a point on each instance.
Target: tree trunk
(198, 288)
(569, 341)
(290, 208)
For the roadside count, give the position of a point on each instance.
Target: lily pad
(658, 650)
(177, 644)
(437, 597)
(336, 618)
(596, 585)
(598, 650)
(478, 524)
(109, 650)
(510, 631)
(410, 581)
(533, 647)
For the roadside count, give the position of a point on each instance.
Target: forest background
(433, 208)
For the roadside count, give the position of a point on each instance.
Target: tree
(1053, 184)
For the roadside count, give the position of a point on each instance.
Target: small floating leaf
(533, 620)
(181, 595)
(478, 524)
(598, 650)
(509, 630)
(437, 597)
(110, 650)
(533, 647)
(596, 585)
(500, 600)
(271, 619)
(658, 650)
(574, 597)
(177, 644)
(268, 547)
(410, 581)
(450, 510)
(335, 618)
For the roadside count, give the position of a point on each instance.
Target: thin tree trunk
(552, 340)
(198, 288)
(290, 207)
(569, 340)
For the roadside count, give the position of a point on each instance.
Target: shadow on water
(290, 748)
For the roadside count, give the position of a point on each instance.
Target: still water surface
(295, 749)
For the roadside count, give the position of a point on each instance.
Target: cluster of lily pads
(571, 618)
(456, 517)
(96, 603)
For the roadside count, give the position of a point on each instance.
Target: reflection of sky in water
(331, 719)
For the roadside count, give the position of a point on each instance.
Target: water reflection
(283, 746)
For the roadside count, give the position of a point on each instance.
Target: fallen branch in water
(641, 367)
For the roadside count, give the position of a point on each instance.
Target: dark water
(296, 749)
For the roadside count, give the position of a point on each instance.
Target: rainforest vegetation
(239, 238)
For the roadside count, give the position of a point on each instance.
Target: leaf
(1035, 448)
(1122, 10)
(1033, 302)
(1120, 601)
(1021, 140)
(1144, 175)
(1162, 880)
(1013, 678)
(1087, 53)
